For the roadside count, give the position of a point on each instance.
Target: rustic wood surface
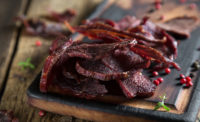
(14, 97)
(8, 34)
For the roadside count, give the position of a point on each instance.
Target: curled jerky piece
(66, 15)
(97, 70)
(37, 27)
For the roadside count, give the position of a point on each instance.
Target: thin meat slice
(70, 50)
(123, 59)
(180, 27)
(97, 70)
(88, 88)
(137, 85)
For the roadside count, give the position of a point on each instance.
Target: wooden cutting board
(184, 102)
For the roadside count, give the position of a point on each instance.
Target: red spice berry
(155, 73)
(182, 1)
(156, 82)
(183, 81)
(157, 6)
(167, 70)
(189, 84)
(38, 43)
(182, 76)
(41, 113)
(160, 79)
(188, 79)
(193, 5)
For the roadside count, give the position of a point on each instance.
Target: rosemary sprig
(26, 64)
(162, 104)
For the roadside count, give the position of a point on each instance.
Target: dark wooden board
(184, 102)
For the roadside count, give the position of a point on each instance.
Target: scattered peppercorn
(189, 84)
(193, 5)
(38, 43)
(183, 81)
(160, 79)
(167, 70)
(155, 73)
(41, 113)
(188, 79)
(157, 6)
(182, 1)
(182, 76)
(156, 82)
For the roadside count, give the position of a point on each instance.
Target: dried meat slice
(88, 88)
(73, 50)
(180, 27)
(137, 85)
(37, 27)
(123, 59)
(66, 15)
(97, 70)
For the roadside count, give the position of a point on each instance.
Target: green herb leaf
(159, 104)
(166, 108)
(162, 103)
(26, 64)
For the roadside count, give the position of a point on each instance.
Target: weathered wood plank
(8, 33)
(14, 97)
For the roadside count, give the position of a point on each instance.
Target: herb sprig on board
(26, 64)
(162, 104)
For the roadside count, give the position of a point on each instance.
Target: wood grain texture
(14, 97)
(83, 113)
(8, 33)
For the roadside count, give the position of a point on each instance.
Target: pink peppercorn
(156, 82)
(182, 1)
(193, 5)
(160, 79)
(41, 113)
(155, 73)
(183, 81)
(38, 43)
(182, 76)
(167, 70)
(188, 79)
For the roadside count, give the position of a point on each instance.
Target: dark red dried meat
(37, 27)
(97, 70)
(137, 85)
(180, 27)
(66, 15)
(123, 49)
(76, 68)
(72, 50)
(86, 88)
(123, 59)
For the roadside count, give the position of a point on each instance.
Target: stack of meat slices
(114, 63)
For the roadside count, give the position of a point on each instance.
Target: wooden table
(17, 46)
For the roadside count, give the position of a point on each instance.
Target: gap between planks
(24, 9)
